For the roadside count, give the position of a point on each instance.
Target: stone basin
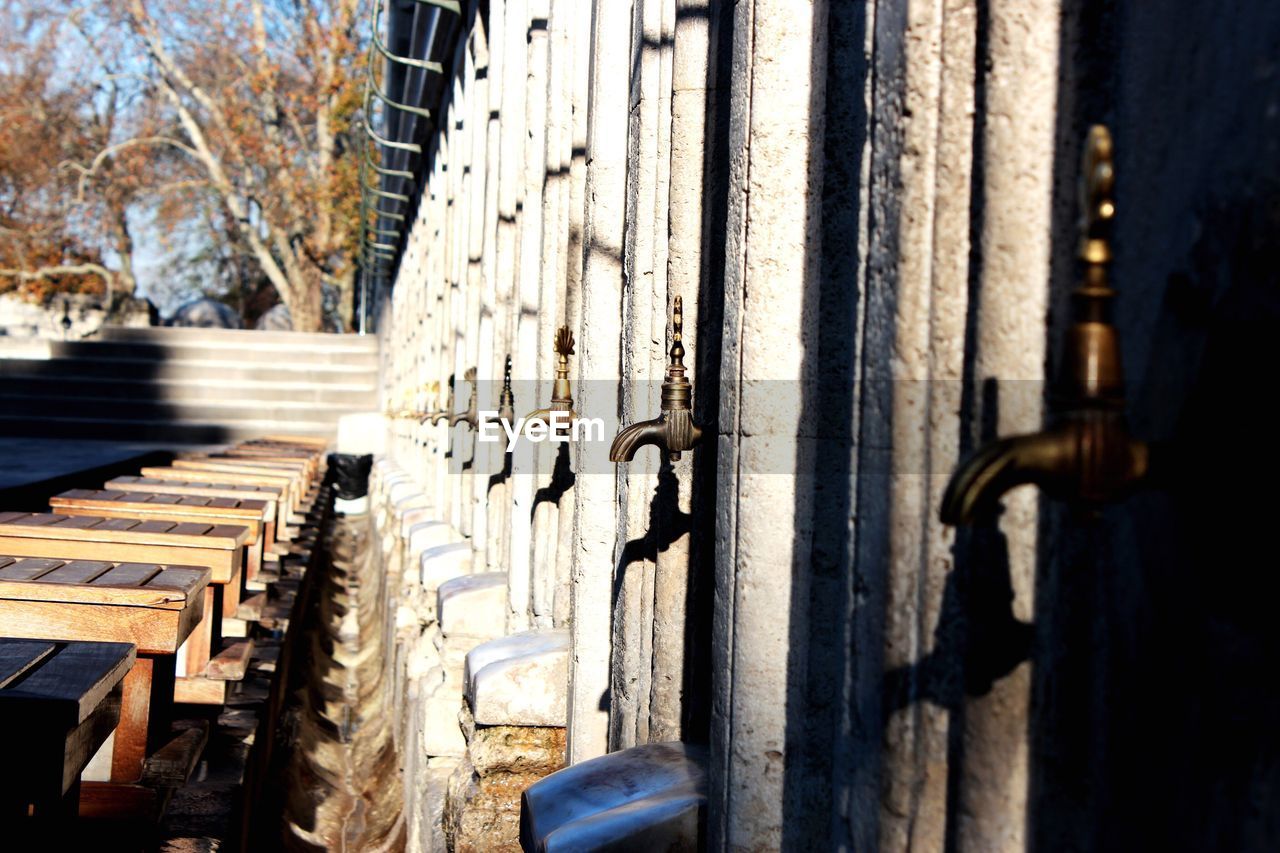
(520, 680)
(650, 797)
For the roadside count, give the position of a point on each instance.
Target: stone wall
(869, 211)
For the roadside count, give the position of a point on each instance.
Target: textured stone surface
(520, 680)
(483, 810)
(441, 734)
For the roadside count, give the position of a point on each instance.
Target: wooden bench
(299, 480)
(154, 607)
(308, 441)
(315, 462)
(217, 547)
(113, 503)
(282, 482)
(198, 487)
(58, 704)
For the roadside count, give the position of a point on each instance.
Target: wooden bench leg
(199, 645)
(253, 560)
(144, 715)
(232, 594)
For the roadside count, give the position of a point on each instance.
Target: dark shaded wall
(1156, 704)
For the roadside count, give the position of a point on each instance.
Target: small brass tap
(561, 394)
(471, 415)
(441, 414)
(1088, 456)
(406, 407)
(674, 429)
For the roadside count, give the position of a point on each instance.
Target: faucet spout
(471, 415)
(1089, 458)
(628, 441)
(976, 487)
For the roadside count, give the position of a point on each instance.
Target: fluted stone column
(765, 505)
(595, 530)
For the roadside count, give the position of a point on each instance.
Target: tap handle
(564, 343)
(1097, 196)
(677, 333)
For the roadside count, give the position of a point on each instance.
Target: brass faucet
(561, 394)
(1088, 456)
(405, 411)
(674, 429)
(471, 415)
(440, 414)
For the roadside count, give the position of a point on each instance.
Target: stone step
(153, 334)
(160, 432)
(132, 368)
(361, 394)
(250, 351)
(207, 410)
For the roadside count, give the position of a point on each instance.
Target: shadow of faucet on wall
(562, 480)
(666, 525)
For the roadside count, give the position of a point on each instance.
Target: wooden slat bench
(199, 487)
(299, 481)
(154, 607)
(309, 441)
(58, 704)
(308, 465)
(217, 547)
(187, 475)
(113, 503)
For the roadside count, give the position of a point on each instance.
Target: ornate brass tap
(561, 393)
(674, 429)
(1088, 456)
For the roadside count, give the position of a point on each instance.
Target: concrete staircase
(185, 386)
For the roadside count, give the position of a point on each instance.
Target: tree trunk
(306, 309)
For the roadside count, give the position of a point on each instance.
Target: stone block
(520, 680)
(441, 734)
(429, 534)
(415, 516)
(650, 797)
(522, 750)
(473, 606)
(444, 563)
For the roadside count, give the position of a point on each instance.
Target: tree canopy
(227, 128)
